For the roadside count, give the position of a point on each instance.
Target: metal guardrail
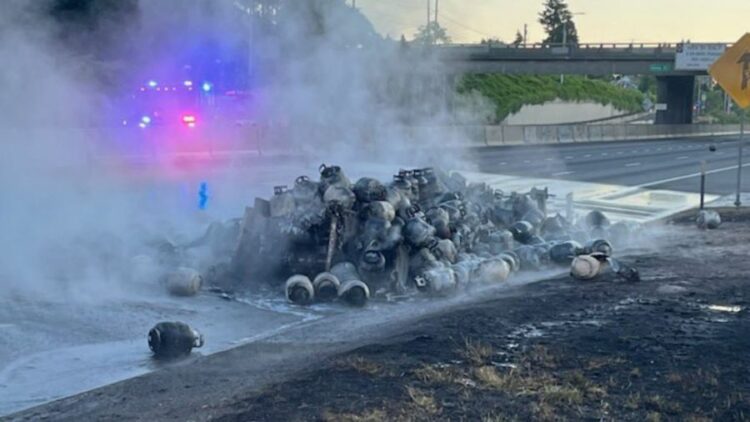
(580, 46)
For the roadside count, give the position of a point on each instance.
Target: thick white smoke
(330, 86)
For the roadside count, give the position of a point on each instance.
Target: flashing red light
(189, 120)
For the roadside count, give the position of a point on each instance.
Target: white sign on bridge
(697, 56)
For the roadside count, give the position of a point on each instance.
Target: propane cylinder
(418, 232)
(599, 246)
(585, 267)
(282, 203)
(564, 253)
(184, 282)
(173, 339)
(339, 195)
(353, 290)
(326, 287)
(708, 220)
(369, 190)
(512, 259)
(437, 280)
(522, 231)
(300, 290)
(494, 270)
(382, 210)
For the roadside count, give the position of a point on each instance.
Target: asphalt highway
(658, 164)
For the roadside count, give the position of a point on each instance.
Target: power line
(455, 22)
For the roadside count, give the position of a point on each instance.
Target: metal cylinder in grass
(173, 339)
(353, 290)
(300, 290)
(184, 282)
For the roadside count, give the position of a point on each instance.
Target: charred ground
(562, 349)
(555, 350)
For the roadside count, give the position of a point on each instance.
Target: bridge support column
(677, 93)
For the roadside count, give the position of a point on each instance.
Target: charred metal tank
(184, 282)
(300, 290)
(173, 339)
(353, 291)
(326, 286)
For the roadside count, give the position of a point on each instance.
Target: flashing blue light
(145, 120)
(188, 83)
(152, 84)
(207, 87)
(142, 125)
(203, 196)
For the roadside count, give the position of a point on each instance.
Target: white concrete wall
(559, 112)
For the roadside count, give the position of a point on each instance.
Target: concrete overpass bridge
(675, 87)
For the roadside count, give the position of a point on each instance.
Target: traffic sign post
(732, 72)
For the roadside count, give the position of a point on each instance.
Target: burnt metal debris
(169, 340)
(424, 231)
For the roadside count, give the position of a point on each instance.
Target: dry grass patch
(435, 374)
(423, 400)
(561, 394)
(489, 377)
(476, 352)
(361, 365)
(603, 362)
(541, 356)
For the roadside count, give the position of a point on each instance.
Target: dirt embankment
(672, 347)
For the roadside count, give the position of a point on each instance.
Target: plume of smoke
(323, 79)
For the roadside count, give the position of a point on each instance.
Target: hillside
(511, 92)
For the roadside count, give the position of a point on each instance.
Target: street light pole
(738, 202)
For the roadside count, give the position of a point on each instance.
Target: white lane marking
(684, 157)
(526, 161)
(587, 156)
(604, 154)
(503, 163)
(619, 153)
(632, 164)
(569, 157)
(689, 176)
(549, 159)
(563, 173)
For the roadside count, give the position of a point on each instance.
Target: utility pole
(525, 34)
(437, 5)
(354, 4)
(429, 12)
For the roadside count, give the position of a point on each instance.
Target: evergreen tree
(518, 40)
(557, 19)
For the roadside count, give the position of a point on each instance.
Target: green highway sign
(660, 68)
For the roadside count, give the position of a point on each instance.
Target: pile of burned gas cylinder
(425, 231)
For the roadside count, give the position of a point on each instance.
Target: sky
(603, 20)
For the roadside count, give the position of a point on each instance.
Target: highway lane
(663, 164)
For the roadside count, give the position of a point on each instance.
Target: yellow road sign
(732, 71)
